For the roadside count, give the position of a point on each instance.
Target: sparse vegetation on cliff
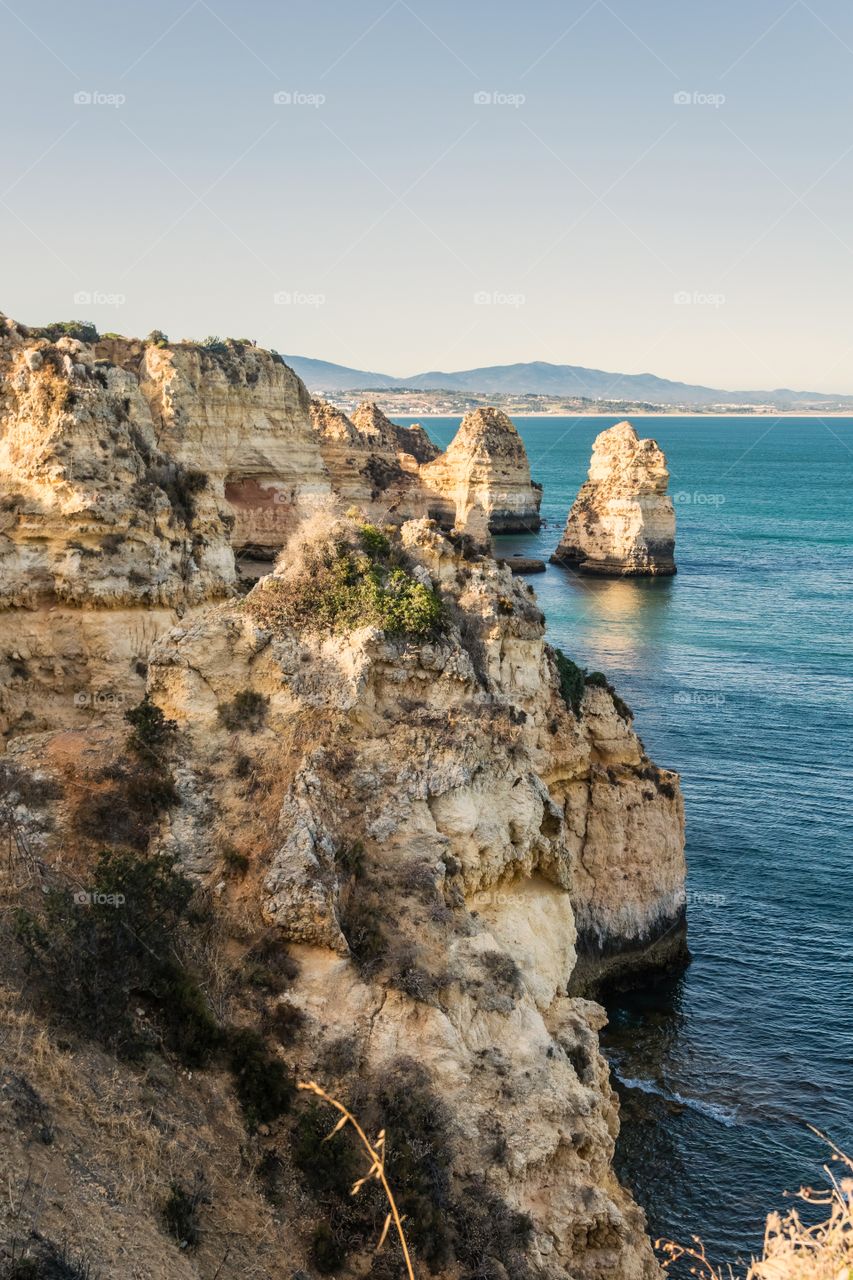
(574, 680)
(353, 579)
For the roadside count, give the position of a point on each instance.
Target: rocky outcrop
(622, 524)
(367, 461)
(496, 832)
(482, 481)
(129, 474)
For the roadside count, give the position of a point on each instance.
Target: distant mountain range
(540, 378)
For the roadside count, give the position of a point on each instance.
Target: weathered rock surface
(483, 478)
(622, 524)
(129, 475)
(447, 848)
(495, 828)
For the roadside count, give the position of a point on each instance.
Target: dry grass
(376, 1153)
(792, 1249)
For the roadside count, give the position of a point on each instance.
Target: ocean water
(740, 672)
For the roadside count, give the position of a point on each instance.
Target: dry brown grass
(376, 1154)
(792, 1249)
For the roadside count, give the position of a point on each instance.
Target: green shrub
(572, 681)
(247, 710)
(78, 329)
(264, 1088)
(376, 543)
(343, 588)
(150, 727)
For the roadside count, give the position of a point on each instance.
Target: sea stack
(622, 523)
(483, 477)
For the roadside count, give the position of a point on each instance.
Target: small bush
(327, 1251)
(572, 681)
(181, 1213)
(361, 924)
(419, 1157)
(598, 680)
(95, 959)
(236, 862)
(376, 543)
(343, 587)
(491, 1237)
(150, 727)
(285, 1021)
(78, 329)
(41, 1259)
(350, 858)
(247, 710)
(124, 811)
(575, 679)
(264, 1088)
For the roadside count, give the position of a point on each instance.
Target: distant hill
(539, 378)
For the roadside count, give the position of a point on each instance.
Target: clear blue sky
(386, 209)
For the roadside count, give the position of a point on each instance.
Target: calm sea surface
(740, 672)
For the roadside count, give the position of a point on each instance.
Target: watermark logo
(97, 298)
(686, 298)
(694, 98)
(99, 699)
(293, 298)
(94, 98)
(495, 98)
(494, 298)
(696, 898)
(699, 698)
(296, 98)
(94, 898)
(685, 499)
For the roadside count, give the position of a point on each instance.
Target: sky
(403, 185)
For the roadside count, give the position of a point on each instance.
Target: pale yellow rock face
(371, 461)
(482, 480)
(128, 475)
(493, 823)
(622, 524)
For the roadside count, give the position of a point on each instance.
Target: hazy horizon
(666, 191)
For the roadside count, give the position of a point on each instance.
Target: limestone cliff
(425, 824)
(622, 524)
(129, 474)
(482, 480)
(414, 852)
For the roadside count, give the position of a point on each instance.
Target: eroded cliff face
(491, 823)
(482, 480)
(622, 524)
(406, 818)
(129, 475)
(480, 485)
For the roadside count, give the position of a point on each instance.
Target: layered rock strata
(482, 480)
(129, 474)
(495, 829)
(622, 524)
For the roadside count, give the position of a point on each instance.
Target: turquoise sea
(740, 672)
